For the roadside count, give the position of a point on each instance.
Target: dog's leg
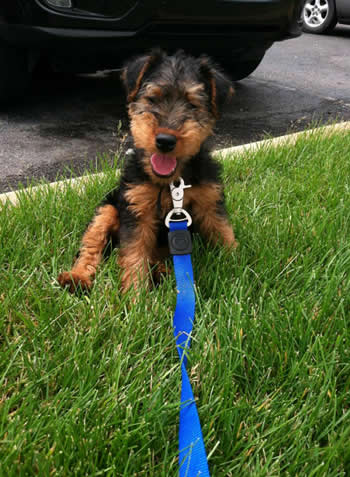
(137, 256)
(105, 223)
(138, 252)
(210, 214)
(216, 228)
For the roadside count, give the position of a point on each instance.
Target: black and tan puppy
(173, 104)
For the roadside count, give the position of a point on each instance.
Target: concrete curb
(12, 197)
(75, 182)
(278, 141)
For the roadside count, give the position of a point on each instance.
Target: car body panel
(343, 10)
(278, 15)
(105, 33)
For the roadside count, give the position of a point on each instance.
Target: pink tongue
(163, 165)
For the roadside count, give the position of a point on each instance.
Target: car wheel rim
(315, 12)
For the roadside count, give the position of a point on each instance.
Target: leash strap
(192, 456)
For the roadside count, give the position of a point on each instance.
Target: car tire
(238, 69)
(319, 16)
(14, 78)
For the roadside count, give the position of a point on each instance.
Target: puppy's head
(173, 103)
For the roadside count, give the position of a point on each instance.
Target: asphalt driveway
(70, 122)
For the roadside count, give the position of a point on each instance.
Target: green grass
(90, 386)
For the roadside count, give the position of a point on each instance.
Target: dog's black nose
(165, 142)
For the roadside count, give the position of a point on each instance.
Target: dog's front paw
(159, 273)
(74, 281)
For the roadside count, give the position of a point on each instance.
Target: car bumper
(46, 38)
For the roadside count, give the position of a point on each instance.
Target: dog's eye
(156, 115)
(151, 99)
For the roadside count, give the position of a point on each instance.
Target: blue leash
(192, 456)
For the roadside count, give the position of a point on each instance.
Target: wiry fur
(180, 96)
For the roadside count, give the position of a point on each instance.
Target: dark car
(321, 16)
(89, 35)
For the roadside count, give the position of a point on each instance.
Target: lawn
(89, 385)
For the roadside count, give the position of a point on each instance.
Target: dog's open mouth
(163, 165)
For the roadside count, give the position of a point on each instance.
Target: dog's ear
(219, 86)
(136, 71)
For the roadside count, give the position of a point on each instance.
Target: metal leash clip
(177, 195)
